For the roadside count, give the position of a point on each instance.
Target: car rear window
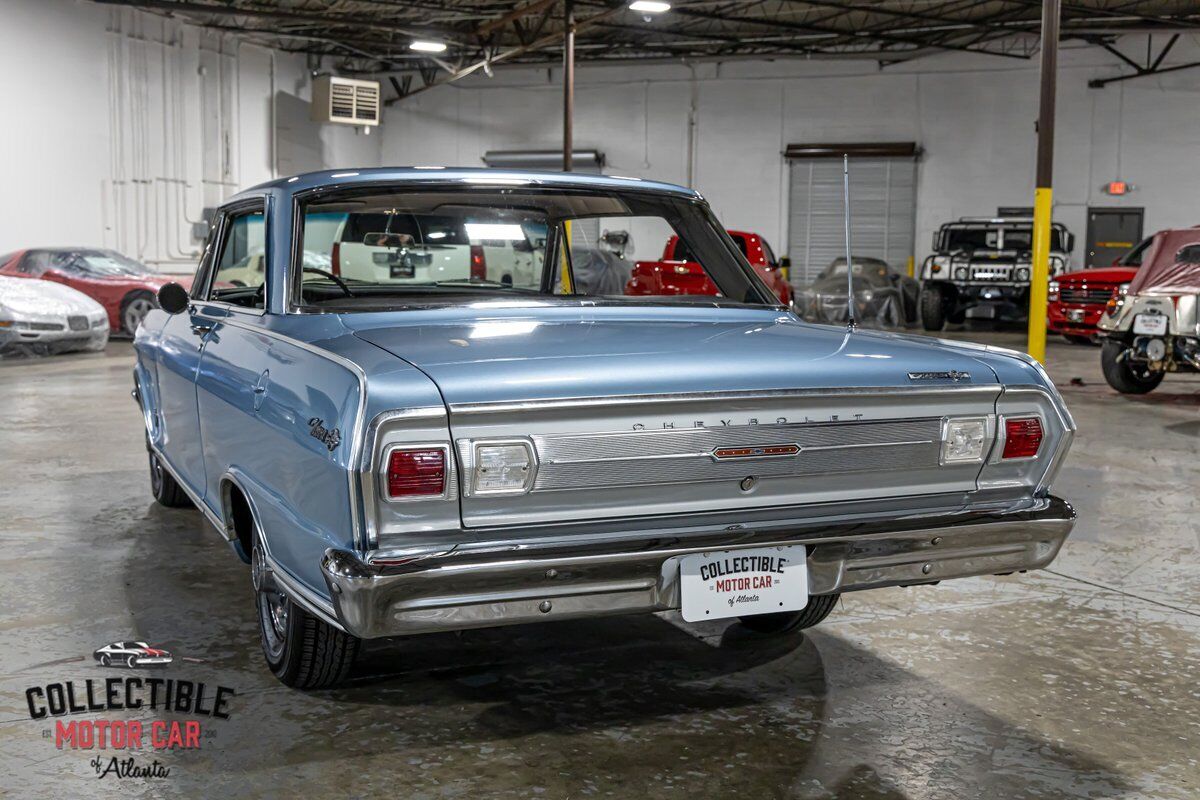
(426, 229)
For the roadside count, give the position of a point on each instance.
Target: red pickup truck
(679, 273)
(1077, 299)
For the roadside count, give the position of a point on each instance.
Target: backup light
(503, 468)
(963, 439)
(416, 473)
(1022, 437)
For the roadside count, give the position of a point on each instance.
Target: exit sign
(1117, 188)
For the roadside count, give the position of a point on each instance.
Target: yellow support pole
(1043, 204)
(1040, 279)
(565, 265)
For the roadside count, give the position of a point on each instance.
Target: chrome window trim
(254, 312)
(352, 460)
(471, 472)
(691, 397)
(245, 205)
(382, 473)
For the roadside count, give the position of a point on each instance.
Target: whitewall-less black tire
(818, 609)
(301, 650)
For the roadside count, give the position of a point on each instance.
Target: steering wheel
(341, 284)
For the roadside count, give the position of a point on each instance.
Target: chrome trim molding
(209, 514)
(692, 397)
(302, 596)
(484, 587)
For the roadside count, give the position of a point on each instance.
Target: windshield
(392, 248)
(95, 263)
(995, 237)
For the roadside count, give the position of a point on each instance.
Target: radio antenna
(846, 215)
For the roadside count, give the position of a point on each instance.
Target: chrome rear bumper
(479, 588)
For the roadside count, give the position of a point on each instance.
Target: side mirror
(173, 298)
(785, 261)
(1070, 242)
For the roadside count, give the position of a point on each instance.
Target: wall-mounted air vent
(345, 100)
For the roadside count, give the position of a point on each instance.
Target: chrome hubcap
(272, 604)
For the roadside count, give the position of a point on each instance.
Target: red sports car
(1077, 299)
(679, 273)
(126, 289)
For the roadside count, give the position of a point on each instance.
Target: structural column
(1043, 201)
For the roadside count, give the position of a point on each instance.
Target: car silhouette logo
(134, 655)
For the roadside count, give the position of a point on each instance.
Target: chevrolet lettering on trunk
(494, 436)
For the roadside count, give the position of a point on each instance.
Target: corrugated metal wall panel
(883, 193)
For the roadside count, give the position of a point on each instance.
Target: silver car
(42, 317)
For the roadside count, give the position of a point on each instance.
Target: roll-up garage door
(882, 206)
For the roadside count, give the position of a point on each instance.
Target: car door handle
(200, 329)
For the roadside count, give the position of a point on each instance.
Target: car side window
(240, 272)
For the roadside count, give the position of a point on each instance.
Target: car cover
(1171, 264)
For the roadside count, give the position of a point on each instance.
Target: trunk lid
(631, 410)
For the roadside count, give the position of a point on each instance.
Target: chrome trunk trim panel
(982, 390)
(686, 455)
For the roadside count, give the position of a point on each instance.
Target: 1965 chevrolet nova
(429, 450)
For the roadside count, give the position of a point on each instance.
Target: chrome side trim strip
(209, 514)
(693, 397)
(302, 596)
(352, 474)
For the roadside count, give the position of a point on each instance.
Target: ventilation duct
(345, 100)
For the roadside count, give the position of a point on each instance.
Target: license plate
(738, 583)
(1150, 324)
(1075, 315)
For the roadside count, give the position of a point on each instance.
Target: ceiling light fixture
(423, 46)
(649, 6)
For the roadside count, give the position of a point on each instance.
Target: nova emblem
(329, 438)
(727, 453)
(949, 375)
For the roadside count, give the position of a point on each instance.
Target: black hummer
(980, 269)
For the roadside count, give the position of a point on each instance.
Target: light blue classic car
(394, 396)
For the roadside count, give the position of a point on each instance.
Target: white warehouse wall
(972, 115)
(121, 127)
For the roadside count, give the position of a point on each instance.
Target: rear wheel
(1127, 377)
(818, 609)
(164, 487)
(303, 652)
(933, 307)
(134, 309)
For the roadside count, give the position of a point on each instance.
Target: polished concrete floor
(1078, 681)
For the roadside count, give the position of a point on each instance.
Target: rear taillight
(416, 473)
(478, 263)
(335, 259)
(1022, 437)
